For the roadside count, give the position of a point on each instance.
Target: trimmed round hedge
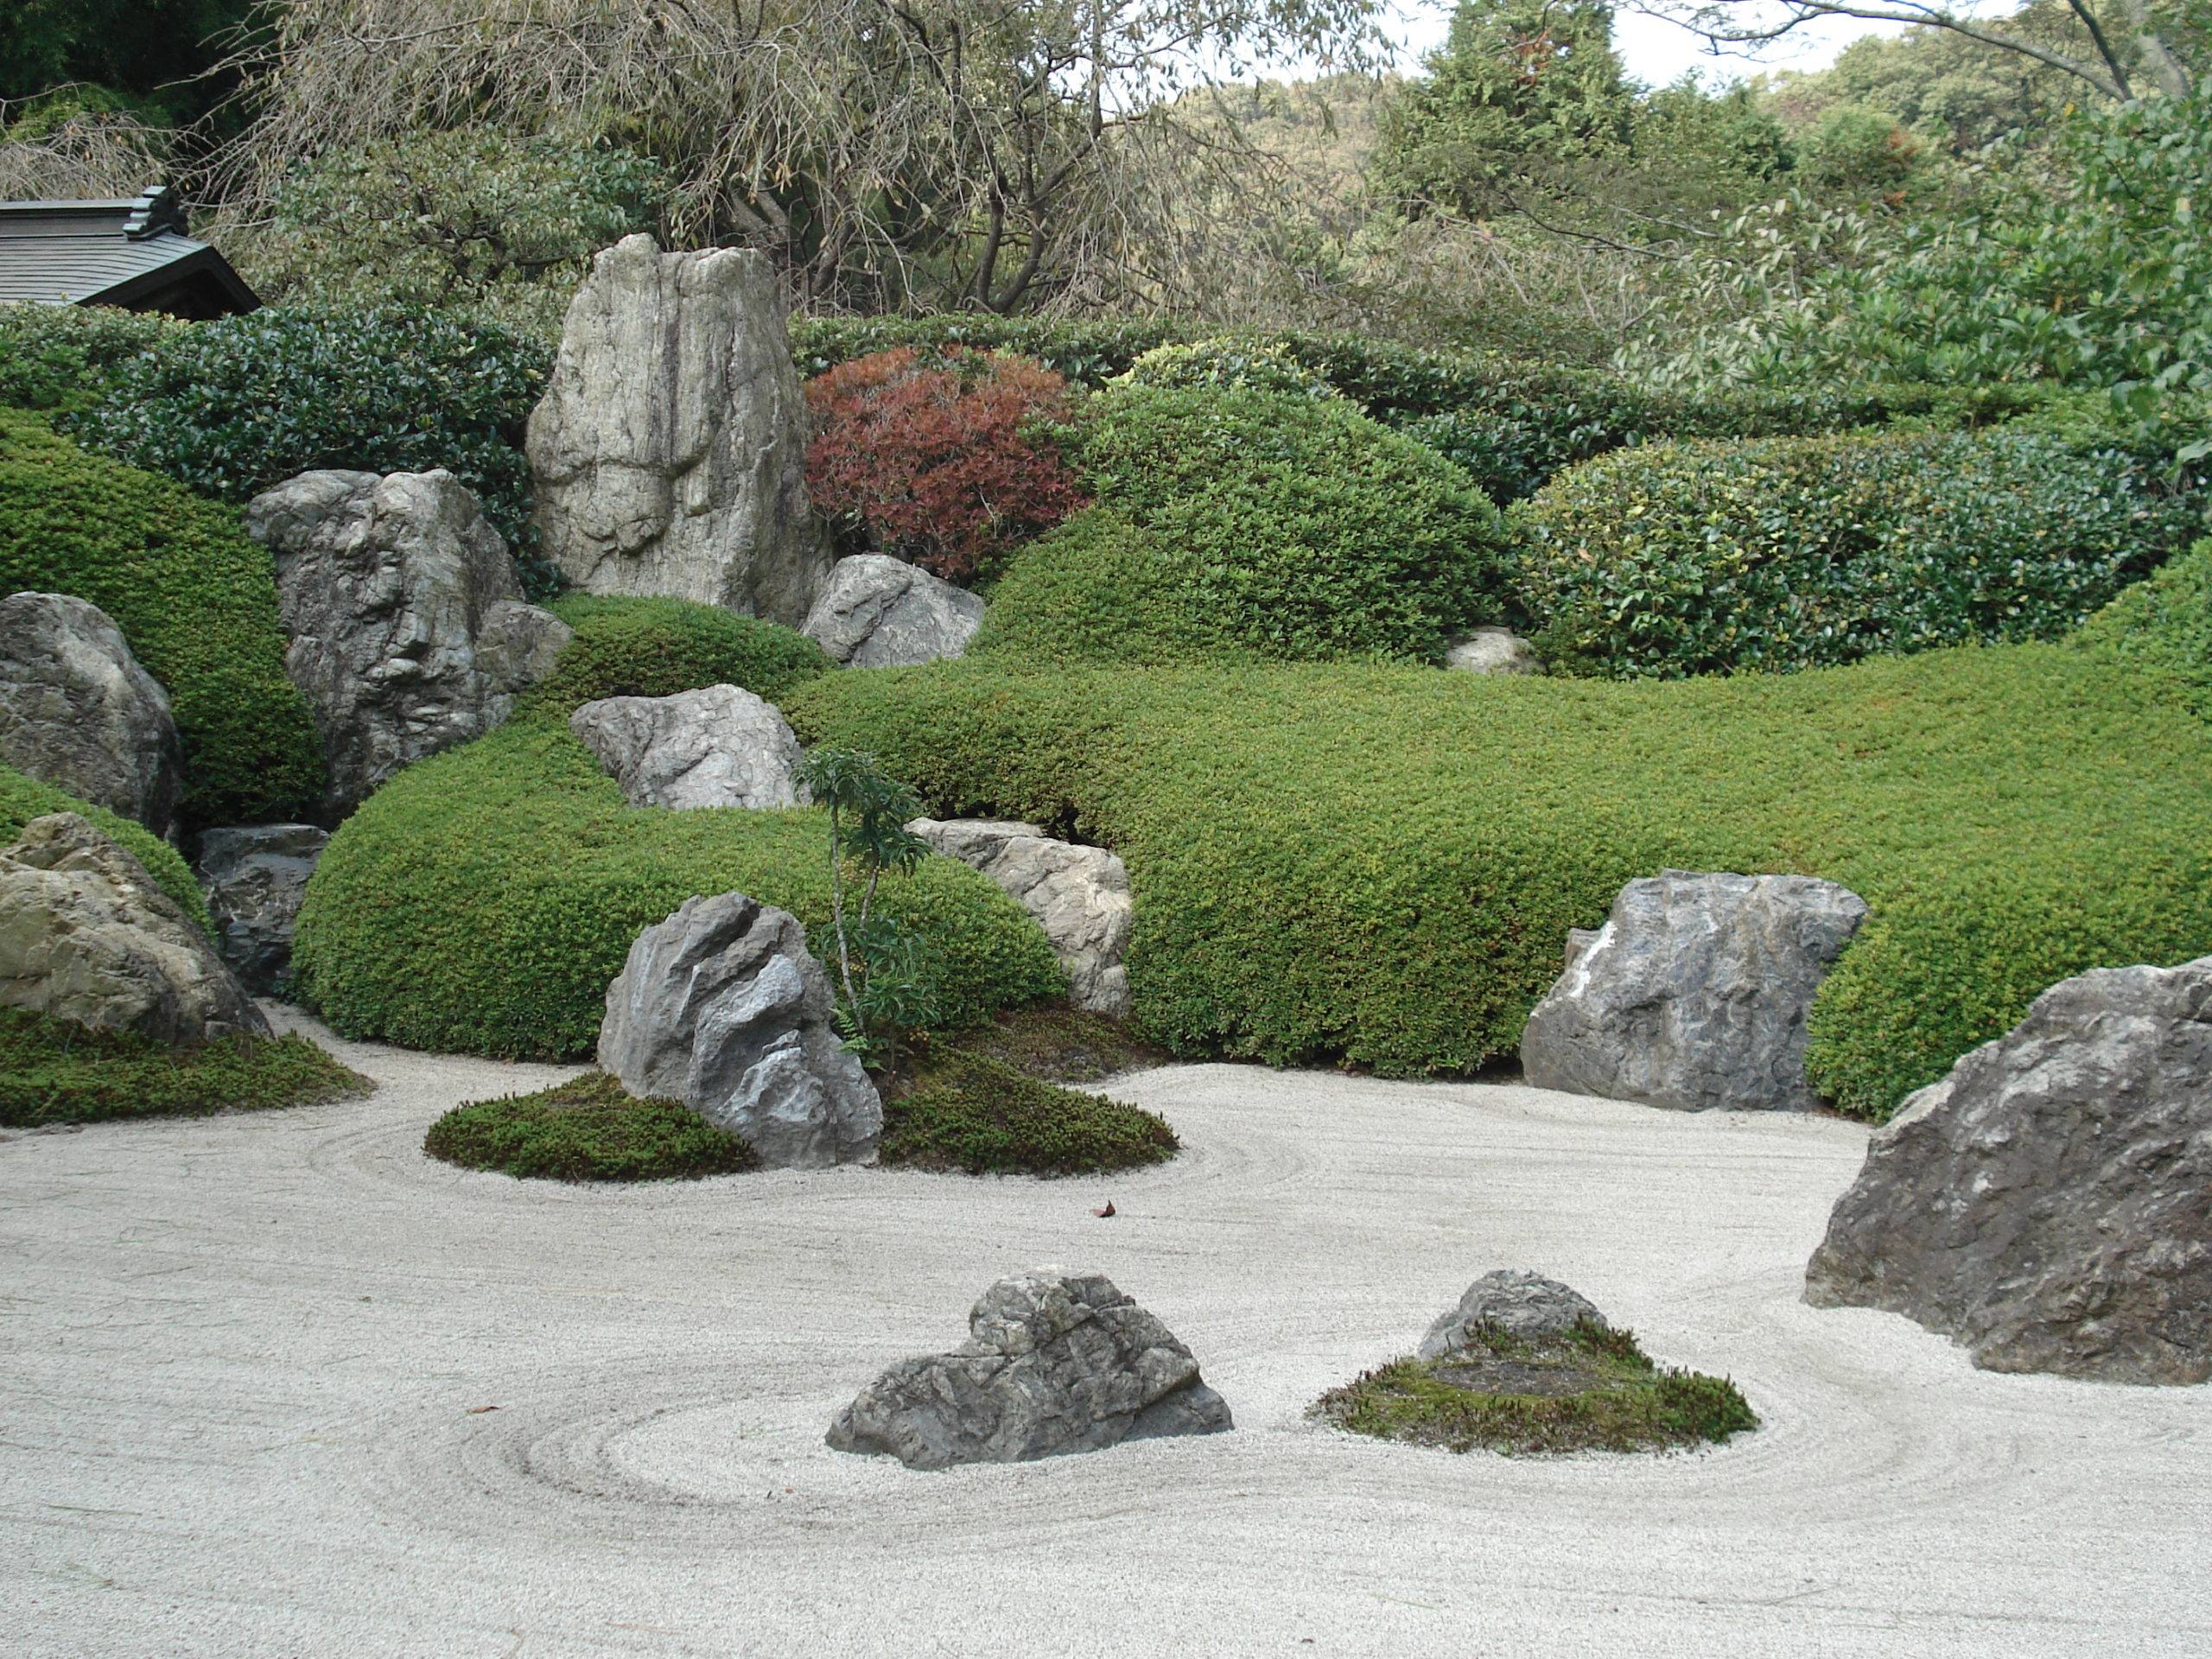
(195, 598)
(658, 647)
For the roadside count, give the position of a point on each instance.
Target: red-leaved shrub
(934, 459)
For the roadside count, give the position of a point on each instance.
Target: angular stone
(669, 449)
(407, 630)
(254, 876)
(1078, 895)
(78, 712)
(87, 934)
(879, 611)
(720, 745)
(1524, 1303)
(1694, 993)
(722, 1007)
(1055, 1363)
(2048, 1203)
(1493, 651)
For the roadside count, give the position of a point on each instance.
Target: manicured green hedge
(60, 356)
(23, 798)
(1689, 558)
(656, 647)
(1380, 864)
(192, 594)
(2164, 626)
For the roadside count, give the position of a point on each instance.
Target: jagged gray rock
(254, 876)
(1055, 1361)
(2048, 1203)
(1527, 1304)
(669, 449)
(1078, 895)
(86, 934)
(722, 1007)
(720, 745)
(79, 712)
(1694, 993)
(1493, 651)
(879, 611)
(407, 630)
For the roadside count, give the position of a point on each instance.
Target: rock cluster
(1514, 1299)
(255, 876)
(1078, 895)
(879, 611)
(1694, 993)
(720, 745)
(2048, 1203)
(1055, 1363)
(1493, 651)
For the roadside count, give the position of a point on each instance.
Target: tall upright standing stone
(670, 450)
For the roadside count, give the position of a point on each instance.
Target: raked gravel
(279, 1384)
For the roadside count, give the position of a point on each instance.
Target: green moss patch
(971, 1113)
(586, 1129)
(57, 1071)
(1059, 1044)
(1589, 1390)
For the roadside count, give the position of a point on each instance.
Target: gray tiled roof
(77, 252)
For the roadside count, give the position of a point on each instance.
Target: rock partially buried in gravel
(254, 876)
(720, 745)
(1512, 1300)
(1055, 1363)
(879, 611)
(2049, 1204)
(1078, 895)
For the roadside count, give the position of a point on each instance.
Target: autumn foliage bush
(940, 457)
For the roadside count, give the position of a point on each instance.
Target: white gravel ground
(246, 1365)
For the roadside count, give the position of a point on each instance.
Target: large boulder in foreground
(1512, 1300)
(1055, 1361)
(879, 611)
(722, 1007)
(1694, 994)
(720, 745)
(255, 876)
(79, 712)
(670, 450)
(2049, 1204)
(87, 934)
(407, 630)
(1078, 895)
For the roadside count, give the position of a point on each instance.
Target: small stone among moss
(57, 1071)
(967, 1111)
(586, 1129)
(1589, 1389)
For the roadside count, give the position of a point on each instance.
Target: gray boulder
(77, 710)
(409, 634)
(720, 745)
(2049, 1204)
(255, 876)
(1078, 895)
(670, 450)
(879, 611)
(1055, 1361)
(1524, 1303)
(1694, 993)
(721, 1008)
(86, 934)
(1493, 651)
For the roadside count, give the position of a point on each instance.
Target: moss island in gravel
(57, 1071)
(589, 1129)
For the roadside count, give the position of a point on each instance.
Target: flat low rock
(1493, 651)
(1512, 1299)
(1055, 1363)
(878, 612)
(721, 1007)
(720, 745)
(1694, 994)
(1079, 895)
(86, 934)
(2048, 1203)
(79, 712)
(255, 876)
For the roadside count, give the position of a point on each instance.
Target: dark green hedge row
(60, 357)
(195, 599)
(1380, 864)
(23, 798)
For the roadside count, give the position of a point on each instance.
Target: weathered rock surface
(79, 712)
(1055, 1361)
(1078, 895)
(254, 876)
(720, 745)
(409, 634)
(2049, 1204)
(670, 450)
(722, 1007)
(1527, 1304)
(1493, 651)
(879, 611)
(1694, 993)
(86, 934)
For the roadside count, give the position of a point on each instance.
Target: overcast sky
(1656, 52)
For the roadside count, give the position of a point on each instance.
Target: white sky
(1656, 51)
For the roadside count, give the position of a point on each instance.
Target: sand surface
(245, 1365)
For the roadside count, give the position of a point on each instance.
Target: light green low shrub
(658, 647)
(1228, 362)
(59, 357)
(2164, 626)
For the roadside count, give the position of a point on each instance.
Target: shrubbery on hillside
(23, 798)
(2164, 625)
(629, 647)
(60, 356)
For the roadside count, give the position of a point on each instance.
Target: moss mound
(23, 798)
(658, 647)
(1059, 1044)
(56, 1071)
(586, 1129)
(1588, 1389)
(968, 1112)
(195, 598)
(2164, 626)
